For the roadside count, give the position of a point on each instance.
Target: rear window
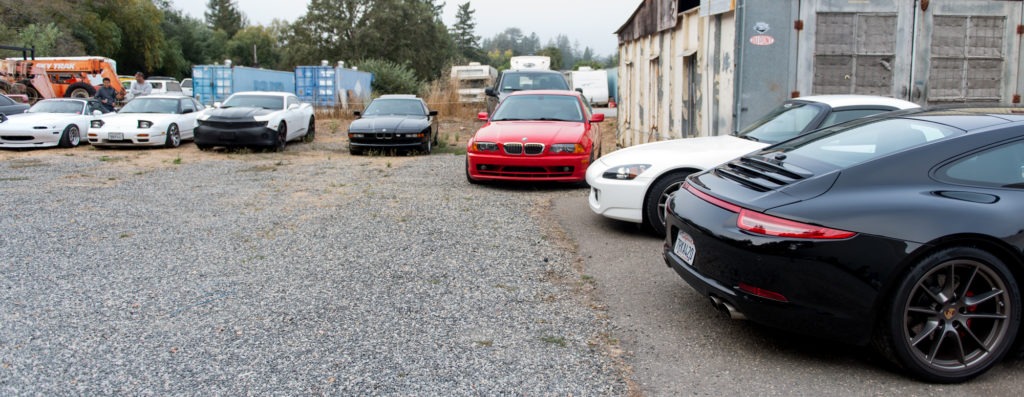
(846, 146)
(519, 81)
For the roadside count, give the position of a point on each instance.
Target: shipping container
(316, 85)
(353, 85)
(213, 83)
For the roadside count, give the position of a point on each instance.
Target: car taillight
(758, 223)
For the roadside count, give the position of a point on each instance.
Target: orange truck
(67, 77)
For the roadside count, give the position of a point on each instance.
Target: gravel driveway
(285, 274)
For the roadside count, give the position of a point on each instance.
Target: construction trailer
(471, 81)
(708, 67)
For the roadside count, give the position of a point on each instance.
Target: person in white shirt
(141, 86)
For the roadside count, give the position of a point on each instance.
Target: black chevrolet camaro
(394, 122)
(903, 231)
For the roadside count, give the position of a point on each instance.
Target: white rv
(472, 79)
(594, 84)
(524, 62)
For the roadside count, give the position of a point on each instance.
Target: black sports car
(394, 122)
(904, 230)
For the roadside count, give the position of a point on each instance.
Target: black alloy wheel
(657, 198)
(953, 317)
(310, 131)
(282, 137)
(71, 137)
(427, 146)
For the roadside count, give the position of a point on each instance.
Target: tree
(467, 43)
(240, 48)
(42, 37)
(224, 15)
(555, 55)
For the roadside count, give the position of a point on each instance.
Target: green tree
(467, 44)
(225, 15)
(42, 37)
(556, 57)
(254, 38)
(391, 78)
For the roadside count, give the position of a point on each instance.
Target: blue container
(211, 83)
(315, 84)
(354, 84)
(253, 79)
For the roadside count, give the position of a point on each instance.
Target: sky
(590, 22)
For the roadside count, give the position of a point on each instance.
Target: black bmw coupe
(903, 231)
(394, 122)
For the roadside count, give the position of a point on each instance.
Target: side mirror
(482, 116)
(97, 113)
(579, 90)
(357, 113)
(490, 92)
(187, 111)
(433, 113)
(597, 117)
(216, 105)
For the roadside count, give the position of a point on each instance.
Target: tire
(5, 88)
(33, 95)
(469, 178)
(80, 90)
(436, 134)
(310, 131)
(427, 146)
(354, 151)
(657, 195)
(173, 136)
(282, 137)
(952, 317)
(204, 147)
(71, 137)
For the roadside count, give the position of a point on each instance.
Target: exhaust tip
(727, 308)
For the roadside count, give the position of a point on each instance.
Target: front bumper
(231, 137)
(616, 199)
(830, 288)
(545, 167)
(128, 138)
(30, 139)
(387, 140)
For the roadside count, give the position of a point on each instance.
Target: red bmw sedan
(535, 136)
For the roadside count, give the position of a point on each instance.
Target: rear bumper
(248, 136)
(555, 168)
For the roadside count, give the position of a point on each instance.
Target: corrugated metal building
(703, 67)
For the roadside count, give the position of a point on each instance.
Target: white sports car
(154, 120)
(634, 183)
(50, 122)
(261, 119)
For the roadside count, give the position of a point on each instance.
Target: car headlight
(96, 124)
(145, 124)
(204, 117)
(356, 135)
(567, 148)
(485, 146)
(626, 172)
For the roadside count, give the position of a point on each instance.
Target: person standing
(141, 87)
(107, 95)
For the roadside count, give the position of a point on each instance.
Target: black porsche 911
(902, 231)
(394, 122)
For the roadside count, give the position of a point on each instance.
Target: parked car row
(247, 119)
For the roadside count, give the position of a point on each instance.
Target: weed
(177, 160)
(389, 164)
(434, 281)
(111, 179)
(484, 343)
(14, 178)
(125, 235)
(554, 340)
(105, 158)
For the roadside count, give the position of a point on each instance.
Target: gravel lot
(168, 272)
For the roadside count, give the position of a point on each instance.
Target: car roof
(398, 96)
(538, 71)
(546, 92)
(836, 101)
(269, 93)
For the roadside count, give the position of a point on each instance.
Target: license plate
(685, 248)
(115, 136)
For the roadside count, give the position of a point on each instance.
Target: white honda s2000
(158, 120)
(633, 184)
(50, 122)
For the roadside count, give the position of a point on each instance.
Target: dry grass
(442, 95)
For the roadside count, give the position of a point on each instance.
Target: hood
(131, 120)
(36, 119)
(389, 124)
(546, 132)
(702, 152)
(244, 113)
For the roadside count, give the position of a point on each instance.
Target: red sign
(762, 39)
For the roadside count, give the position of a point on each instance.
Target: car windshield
(70, 107)
(410, 107)
(853, 143)
(518, 81)
(539, 107)
(151, 105)
(782, 123)
(269, 102)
